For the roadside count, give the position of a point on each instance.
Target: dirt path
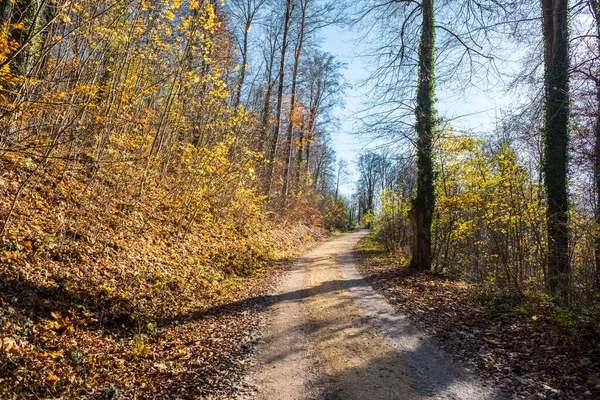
(331, 336)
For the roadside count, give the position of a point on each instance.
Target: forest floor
(53, 343)
(344, 321)
(329, 335)
(523, 345)
(105, 293)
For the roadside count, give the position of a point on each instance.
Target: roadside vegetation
(522, 344)
(143, 187)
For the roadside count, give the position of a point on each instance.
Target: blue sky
(478, 107)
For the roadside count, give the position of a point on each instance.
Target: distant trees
(309, 84)
(367, 182)
(341, 176)
(585, 101)
(324, 90)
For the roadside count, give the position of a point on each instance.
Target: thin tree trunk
(27, 14)
(267, 103)
(290, 127)
(289, 8)
(309, 133)
(423, 204)
(308, 154)
(300, 155)
(596, 10)
(5, 9)
(238, 95)
(556, 35)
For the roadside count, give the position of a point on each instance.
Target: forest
(173, 199)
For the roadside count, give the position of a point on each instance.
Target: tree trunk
(290, 127)
(240, 85)
(45, 40)
(25, 13)
(266, 112)
(597, 173)
(309, 134)
(556, 138)
(423, 204)
(289, 8)
(300, 155)
(596, 10)
(5, 9)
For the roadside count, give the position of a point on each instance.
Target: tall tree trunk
(240, 85)
(45, 44)
(423, 204)
(266, 112)
(308, 139)
(596, 10)
(5, 9)
(290, 127)
(556, 138)
(25, 13)
(289, 8)
(597, 173)
(307, 146)
(300, 154)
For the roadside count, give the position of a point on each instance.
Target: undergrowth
(94, 290)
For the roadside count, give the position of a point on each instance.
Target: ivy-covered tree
(423, 204)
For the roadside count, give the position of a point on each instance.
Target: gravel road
(329, 335)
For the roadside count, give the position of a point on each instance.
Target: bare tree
(595, 9)
(290, 128)
(289, 9)
(244, 12)
(324, 88)
(368, 180)
(341, 176)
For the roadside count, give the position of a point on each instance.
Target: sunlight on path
(331, 336)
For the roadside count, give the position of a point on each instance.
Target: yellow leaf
(169, 15)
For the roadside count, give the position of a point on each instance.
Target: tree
(324, 90)
(341, 175)
(368, 180)
(22, 18)
(403, 62)
(423, 204)
(556, 138)
(273, 30)
(245, 12)
(595, 8)
(290, 128)
(289, 9)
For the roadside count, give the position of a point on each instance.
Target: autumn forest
(179, 217)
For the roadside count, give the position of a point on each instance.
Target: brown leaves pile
(524, 345)
(103, 298)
